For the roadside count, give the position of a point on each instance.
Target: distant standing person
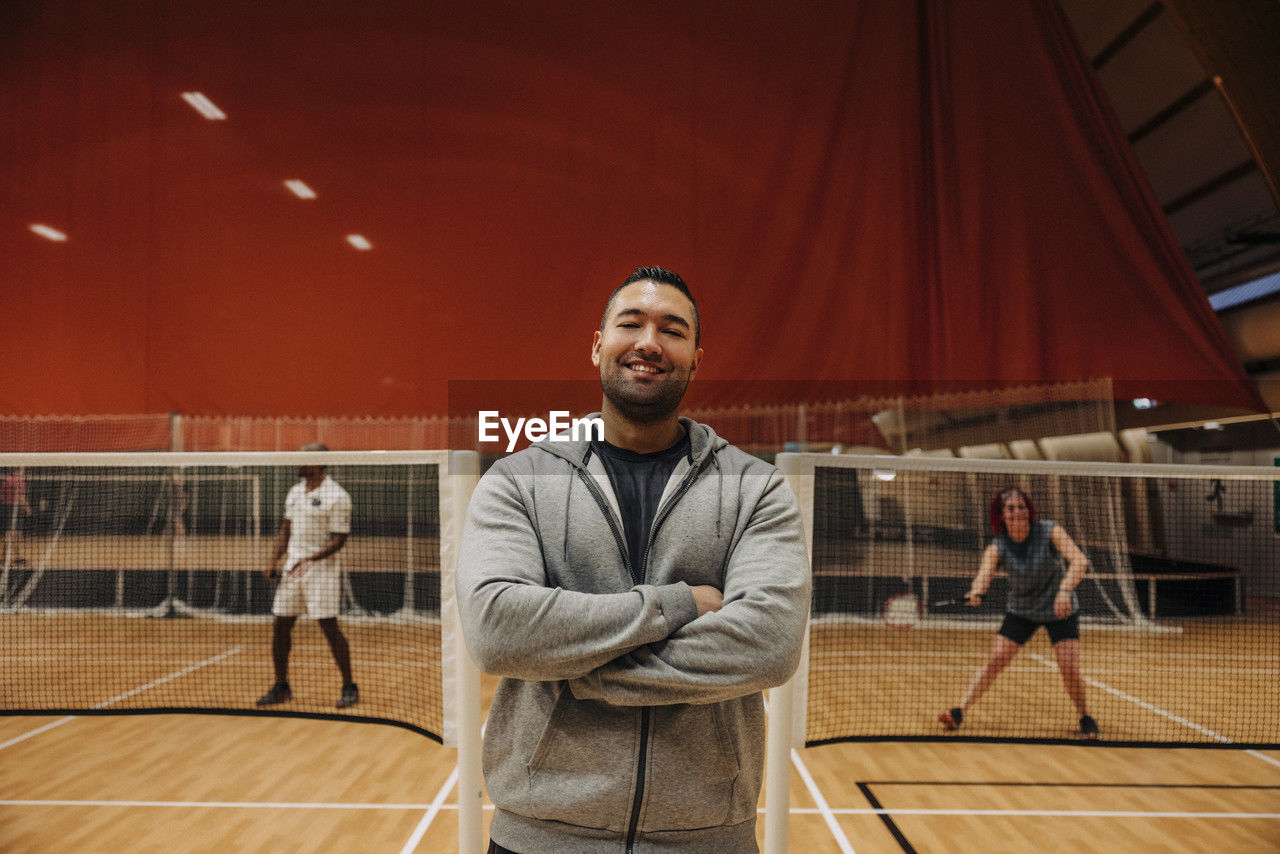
(1044, 567)
(15, 509)
(317, 521)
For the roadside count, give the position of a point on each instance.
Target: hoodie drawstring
(568, 499)
(719, 491)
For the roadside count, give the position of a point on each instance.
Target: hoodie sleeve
(516, 625)
(753, 642)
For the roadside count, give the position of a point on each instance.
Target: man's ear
(595, 348)
(697, 363)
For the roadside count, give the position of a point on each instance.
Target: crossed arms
(649, 645)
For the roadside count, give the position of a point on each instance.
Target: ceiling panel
(1153, 70)
(1191, 148)
(1097, 23)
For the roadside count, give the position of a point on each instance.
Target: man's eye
(679, 333)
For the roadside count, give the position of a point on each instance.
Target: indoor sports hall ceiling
(317, 93)
(1175, 72)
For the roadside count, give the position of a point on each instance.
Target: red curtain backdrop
(865, 196)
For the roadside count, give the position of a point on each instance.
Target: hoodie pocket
(693, 771)
(584, 765)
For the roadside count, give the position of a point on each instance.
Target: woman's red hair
(996, 509)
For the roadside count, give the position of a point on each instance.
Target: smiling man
(637, 593)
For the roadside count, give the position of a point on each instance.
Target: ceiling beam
(1127, 35)
(1217, 182)
(1195, 93)
(1236, 43)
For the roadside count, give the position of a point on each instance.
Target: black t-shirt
(638, 481)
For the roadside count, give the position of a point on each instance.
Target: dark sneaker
(279, 693)
(350, 696)
(951, 718)
(1089, 728)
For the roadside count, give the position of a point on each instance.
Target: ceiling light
(885, 474)
(49, 233)
(359, 241)
(203, 106)
(300, 189)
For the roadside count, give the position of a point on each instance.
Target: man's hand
(300, 568)
(709, 598)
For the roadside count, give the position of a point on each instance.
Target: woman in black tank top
(1044, 567)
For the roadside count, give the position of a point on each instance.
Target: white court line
(163, 679)
(1159, 711)
(1254, 753)
(1140, 703)
(36, 731)
(214, 805)
(823, 807)
(172, 676)
(825, 810)
(1014, 668)
(432, 812)
(1270, 816)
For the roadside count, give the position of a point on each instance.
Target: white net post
(462, 677)
(786, 702)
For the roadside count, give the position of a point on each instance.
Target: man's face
(310, 472)
(646, 353)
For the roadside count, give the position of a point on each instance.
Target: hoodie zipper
(647, 713)
(608, 515)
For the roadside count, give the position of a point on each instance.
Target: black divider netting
(1177, 612)
(142, 588)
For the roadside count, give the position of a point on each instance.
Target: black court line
(1075, 741)
(1066, 785)
(200, 710)
(865, 788)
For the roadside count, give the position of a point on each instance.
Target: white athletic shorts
(317, 594)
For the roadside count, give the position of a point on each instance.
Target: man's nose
(647, 340)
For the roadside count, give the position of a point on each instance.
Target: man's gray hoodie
(626, 722)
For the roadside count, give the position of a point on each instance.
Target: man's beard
(651, 405)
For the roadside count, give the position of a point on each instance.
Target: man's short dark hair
(662, 276)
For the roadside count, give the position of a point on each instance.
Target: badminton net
(1178, 610)
(134, 582)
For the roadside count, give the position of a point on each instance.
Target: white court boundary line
(432, 811)
(1256, 754)
(273, 805)
(163, 679)
(1054, 813)
(1150, 707)
(823, 809)
(439, 804)
(36, 731)
(798, 811)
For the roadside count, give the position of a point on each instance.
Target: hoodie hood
(703, 443)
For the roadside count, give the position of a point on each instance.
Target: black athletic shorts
(1020, 629)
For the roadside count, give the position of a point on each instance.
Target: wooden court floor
(192, 783)
(188, 783)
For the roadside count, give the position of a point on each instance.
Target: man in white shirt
(317, 521)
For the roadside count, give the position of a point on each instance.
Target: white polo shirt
(313, 516)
